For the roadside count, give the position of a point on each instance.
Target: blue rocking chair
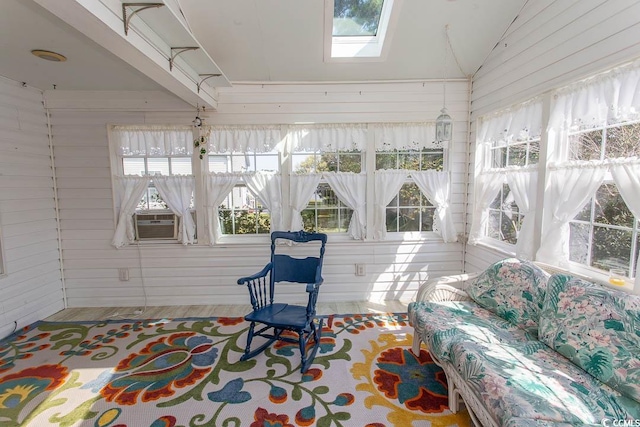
(275, 318)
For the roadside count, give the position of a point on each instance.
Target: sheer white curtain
(242, 138)
(266, 186)
(128, 192)
(153, 140)
(523, 185)
(435, 186)
(570, 187)
(177, 192)
(487, 187)
(328, 137)
(626, 174)
(387, 185)
(302, 189)
(217, 187)
(351, 189)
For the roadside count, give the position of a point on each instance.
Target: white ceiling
(258, 40)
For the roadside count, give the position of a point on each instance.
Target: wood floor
(106, 313)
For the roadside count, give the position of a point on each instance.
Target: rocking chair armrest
(262, 273)
(314, 286)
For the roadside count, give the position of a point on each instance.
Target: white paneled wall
(174, 274)
(550, 44)
(31, 288)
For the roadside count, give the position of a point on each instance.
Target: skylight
(357, 30)
(356, 17)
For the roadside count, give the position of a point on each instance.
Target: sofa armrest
(447, 288)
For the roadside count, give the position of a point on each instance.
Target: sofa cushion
(528, 380)
(440, 324)
(596, 328)
(514, 290)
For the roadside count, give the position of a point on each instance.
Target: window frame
(415, 234)
(361, 48)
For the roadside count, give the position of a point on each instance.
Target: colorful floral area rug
(186, 372)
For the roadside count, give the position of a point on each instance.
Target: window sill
(498, 246)
(599, 276)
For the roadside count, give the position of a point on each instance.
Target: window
(358, 28)
(325, 212)
(410, 210)
(241, 212)
(505, 219)
(151, 166)
(516, 153)
(604, 235)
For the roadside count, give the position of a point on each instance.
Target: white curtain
(328, 137)
(217, 187)
(523, 185)
(486, 189)
(266, 186)
(302, 189)
(435, 186)
(610, 97)
(518, 123)
(626, 174)
(405, 136)
(387, 185)
(570, 187)
(351, 189)
(242, 138)
(177, 192)
(128, 192)
(153, 140)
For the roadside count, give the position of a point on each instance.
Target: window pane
(409, 160)
(351, 163)
(268, 163)
(309, 220)
(517, 155)
(133, 166)
(427, 219)
(493, 230)
(611, 248)
(243, 163)
(610, 208)
(585, 213)
(432, 160)
(328, 220)
(579, 242)
(499, 157)
(345, 218)
(326, 196)
(410, 195)
(392, 219)
(304, 163)
(497, 202)
(245, 222)
(409, 219)
(155, 201)
(181, 166)
(356, 17)
(386, 161)
(623, 141)
(534, 152)
(158, 166)
(218, 163)
(585, 145)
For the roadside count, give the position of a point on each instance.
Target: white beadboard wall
(551, 44)
(31, 289)
(175, 274)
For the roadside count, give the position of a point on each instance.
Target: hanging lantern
(444, 126)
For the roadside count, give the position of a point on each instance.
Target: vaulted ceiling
(248, 40)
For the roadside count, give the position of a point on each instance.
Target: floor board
(106, 313)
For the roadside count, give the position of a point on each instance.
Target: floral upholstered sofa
(526, 348)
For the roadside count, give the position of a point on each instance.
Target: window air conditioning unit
(156, 226)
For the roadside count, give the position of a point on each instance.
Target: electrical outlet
(123, 274)
(361, 270)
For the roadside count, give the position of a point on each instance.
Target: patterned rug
(186, 372)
